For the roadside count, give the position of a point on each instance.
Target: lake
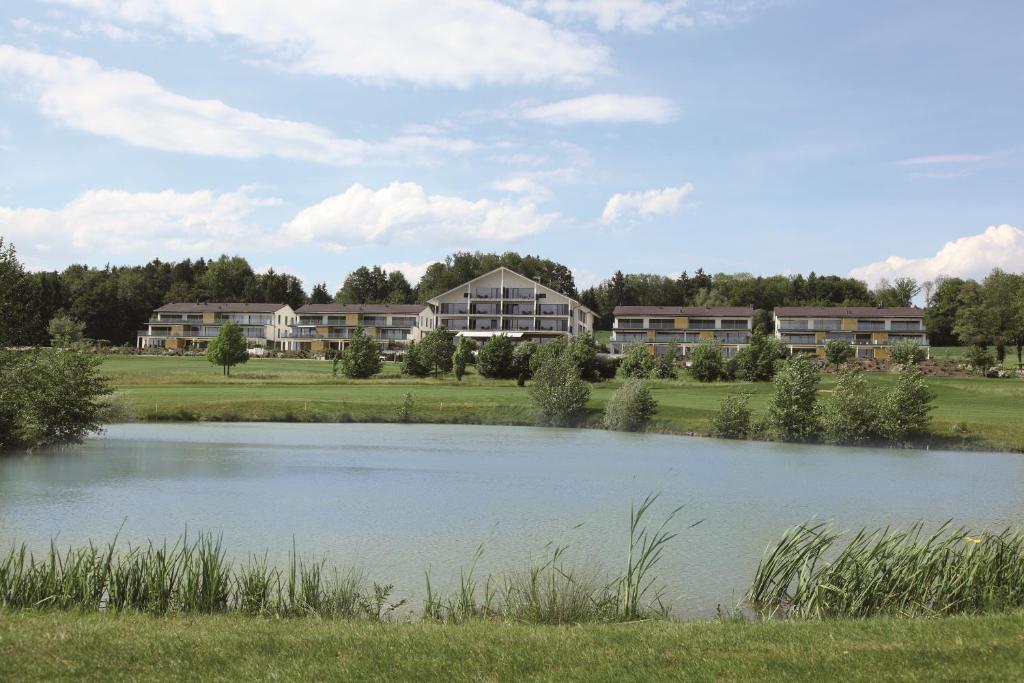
(399, 500)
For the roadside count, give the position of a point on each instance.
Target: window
(734, 324)
(631, 323)
(484, 309)
(905, 325)
(827, 325)
(702, 324)
(483, 324)
(792, 324)
(487, 293)
(662, 323)
(553, 309)
(402, 321)
(519, 292)
(461, 308)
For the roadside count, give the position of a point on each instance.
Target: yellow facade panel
(322, 330)
(849, 324)
(318, 345)
(177, 330)
(209, 317)
(819, 337)
(707, 334)
(877, 337)
(352, 319)
(650, 335)
(682, 323)
(881, 353)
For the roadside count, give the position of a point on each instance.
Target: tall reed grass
(890, 572)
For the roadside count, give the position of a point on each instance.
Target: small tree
(495, 358)
(665, 364)
(522, 357)
(849, 415)
(791, 415)
(706, 363)
(905, 409)
(412, 364)
(436, 350)
(362, 357)
(637, 363)
(584, 353)
(558, 391)
(228, 349)
(404, 412)
(838, 352)
(732, 421)
(547, 351)
(65, 331)
(630, 408)
(756, 362)
(463, 354)
(979, 359)
(906, 352)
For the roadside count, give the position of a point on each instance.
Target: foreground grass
(971, 412)
(73, 646)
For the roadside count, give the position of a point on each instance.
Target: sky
(877, 139)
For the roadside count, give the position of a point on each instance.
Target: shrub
(436, 351)
(732, 421)
(462, 355)
(65, 331)
(404, 413)
(607, 366)
(583, 349)
(362, 357)
(637, 363)
(558, 391)
(412, 363)
(729, 369)
(546, 352)
(838, 351)
(706, 363)
(228, 349)
(757, 361)
(849, 415)
(906, 353)
(904, 410)
(791, 415)
(522, 356)
(630, 408)
(495, 358)
(665, 364)
(979, 359)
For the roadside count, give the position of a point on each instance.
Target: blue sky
(873, 138)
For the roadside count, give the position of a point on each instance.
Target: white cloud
(443, 42)
(973, 256)
(604, 107)
(644, 15)
(944, 159)
(523, 185)
(412, 271)
(404, 213)
(134, 108)
(120, 227)
(649, 203)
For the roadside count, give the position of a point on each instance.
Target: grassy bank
(73, 646)
(971, 412)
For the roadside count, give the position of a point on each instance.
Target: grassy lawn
(73, 646)
(956, 352)
(987, 411)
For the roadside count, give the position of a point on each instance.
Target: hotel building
(193, 326)
(320, 327)
(871, 331)
(657, 327)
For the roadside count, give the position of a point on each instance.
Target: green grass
(96, 647)
(971, 412)
(957, 352)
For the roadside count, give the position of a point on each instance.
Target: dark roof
(848, 311)
(217, 307)
(713, 311)
(410, 309)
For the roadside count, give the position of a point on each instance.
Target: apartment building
(657, 327)
(505, 302)
(871, 331)
(193, 325)
(319, 327)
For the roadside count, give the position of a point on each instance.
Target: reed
(900, 573)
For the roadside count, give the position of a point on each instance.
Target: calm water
(396, 500)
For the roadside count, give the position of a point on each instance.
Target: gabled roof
(220, 307)
(848, 311)
(695, 311)
(509, 270)
(403, 309)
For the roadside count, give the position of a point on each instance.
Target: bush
(462, 355)
(906, 353)
(732, 421)
(362, 357)
(404, 413)
(791, 415)
(65, 331)
(584, 349)
(412, 363)
(838, 351)
(757, 361)
(495, 358)
(905, 409)
(607, 366)
(630, 408)
(849, 415)
(558, 391)
(706, 362)
(436, 350)
(979, 359)
(522, 356)
(546, 352)
(665, 364)
(637, 363)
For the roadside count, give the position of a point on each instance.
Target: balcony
(732, 337)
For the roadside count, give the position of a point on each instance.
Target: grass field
(986, 413)
(75, 646)
(957, 352)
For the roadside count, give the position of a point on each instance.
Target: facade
(657, 327)
(871, 331)
(320, 327)
(505, 302)
(193, 326)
